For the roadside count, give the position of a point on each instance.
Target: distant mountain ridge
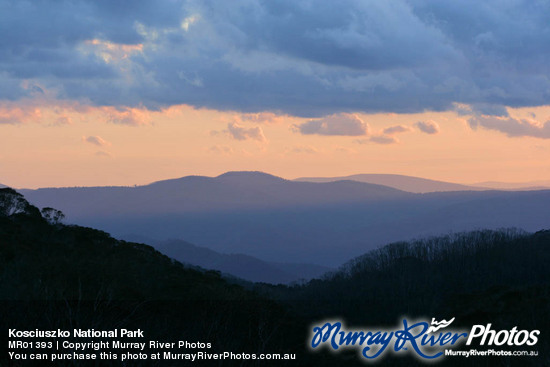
(423, 185)
(401, 182)
(230, 191)
(71, 277)
(278, 220)
(242, 266)
(531, 185)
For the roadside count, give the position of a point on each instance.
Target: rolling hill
(478, 277)
(197, 194)
(69, 277)
(531, 185)
(400, 182)
(242, 266)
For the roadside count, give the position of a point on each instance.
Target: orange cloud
(343, 124)
(378, 139)
(239, 132)
(96, 140)
(126, 115)
(220, 149)
(303, 149)
(512, 127)
(14, 114)
(60, 112)
(396, 129)
(428, 127)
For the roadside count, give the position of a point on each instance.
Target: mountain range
(198, 194)
(282, 221)
(241, 266)
(66, 277)
(531, 185)
(424, 185)
(400, 182)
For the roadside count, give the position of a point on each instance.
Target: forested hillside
(499, 277)
(420, 276)
(58, 276)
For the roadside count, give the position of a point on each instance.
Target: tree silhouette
(12, 202)
(53, 216)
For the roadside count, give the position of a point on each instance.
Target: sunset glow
(174, 91)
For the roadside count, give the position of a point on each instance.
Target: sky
(111, 92)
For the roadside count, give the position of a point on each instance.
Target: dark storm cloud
(306, 58)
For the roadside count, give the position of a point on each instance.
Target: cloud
(345, 150)
(304, 149)
(308, 59)
(51, 112)
(480, 109)
(396, 129)
(260, 118)
(378, 139)
(62, 120)
(103, 154)
(239, 132)
(341, 124)
(96, 140)
(462, 109)
(490, 109)
(428, 127)
(127, 116)
(513, 127)
(220, 149)
(12, 114)
(383, 139)
(110, 52)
